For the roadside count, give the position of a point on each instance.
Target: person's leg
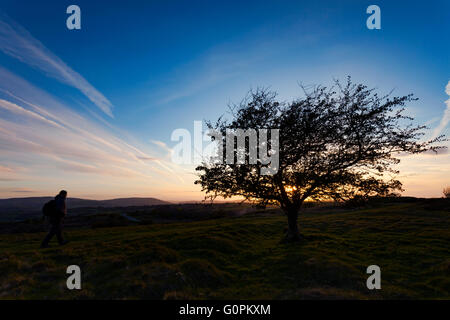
(59, 233)
(49, 236)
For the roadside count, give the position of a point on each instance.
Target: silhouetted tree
(446, 192)
(334, 144)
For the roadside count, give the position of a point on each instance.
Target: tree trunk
(292, 233)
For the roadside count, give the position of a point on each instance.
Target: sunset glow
(93, 113)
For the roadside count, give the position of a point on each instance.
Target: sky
(92, 111)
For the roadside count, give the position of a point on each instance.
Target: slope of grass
(242, 258)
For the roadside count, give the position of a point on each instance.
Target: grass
(242, 258)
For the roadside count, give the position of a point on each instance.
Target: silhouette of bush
(447, 192)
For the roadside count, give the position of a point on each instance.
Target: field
(241, 256)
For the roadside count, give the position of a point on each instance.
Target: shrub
(447, 192)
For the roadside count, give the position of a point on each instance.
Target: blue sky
(116, 89)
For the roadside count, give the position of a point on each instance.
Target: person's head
(63, 194)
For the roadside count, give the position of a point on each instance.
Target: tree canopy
(334, 143)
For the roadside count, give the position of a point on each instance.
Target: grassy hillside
(242, 258)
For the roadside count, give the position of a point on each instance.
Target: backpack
(49, 208)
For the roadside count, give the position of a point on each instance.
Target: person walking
(56, 211)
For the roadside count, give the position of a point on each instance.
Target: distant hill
(19, 208)
(33, 202)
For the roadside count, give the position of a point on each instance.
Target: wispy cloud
(26, 113)
(162, 145)
(446, 117)
(18, 43)
(45, 135)
(23, 191)
(5, 169)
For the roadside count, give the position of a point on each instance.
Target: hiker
(56, 211)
